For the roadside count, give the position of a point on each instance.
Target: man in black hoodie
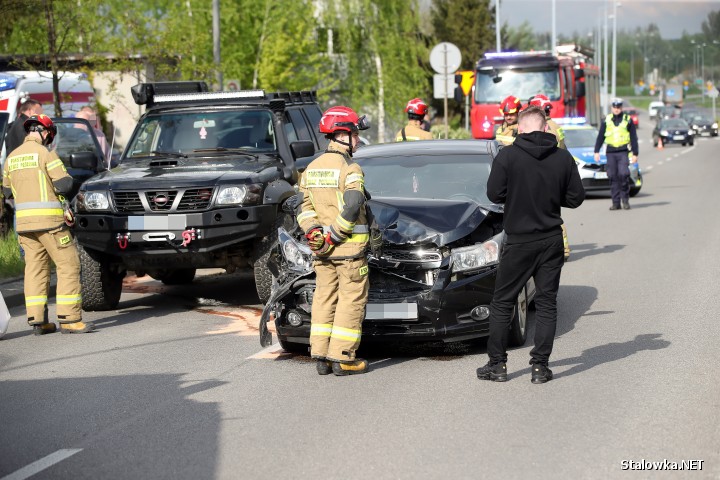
(533, 178)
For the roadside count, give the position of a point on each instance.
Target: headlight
(695, 127)
(477, 256)
(297, 255)
(95, 201)
(664, 133)
(714, 125)
(231, 195)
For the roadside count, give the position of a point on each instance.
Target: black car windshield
(700, 118)
(580, 137)
(675, 123)
(521, 83)
(451, 177)
(187, 132)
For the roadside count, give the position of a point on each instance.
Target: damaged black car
(434, 277)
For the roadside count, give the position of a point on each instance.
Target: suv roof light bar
(144, 93)
(189, 97)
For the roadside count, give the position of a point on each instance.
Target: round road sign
(445, 58)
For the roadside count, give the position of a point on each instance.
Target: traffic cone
(660, 144)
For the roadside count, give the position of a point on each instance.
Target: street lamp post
(605, 55)
(614, 52)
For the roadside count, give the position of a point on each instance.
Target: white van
(15, 87)
(653, 108)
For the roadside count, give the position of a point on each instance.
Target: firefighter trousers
(41, 247)
(338, 308)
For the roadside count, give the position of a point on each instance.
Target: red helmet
(541, 101)
(39, 123)
(510, 105)
(417, 107)
(342, 119)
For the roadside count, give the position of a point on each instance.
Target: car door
(79, 149)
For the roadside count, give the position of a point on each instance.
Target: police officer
(416, 110)
(619, 134)
(509, 108)
(333, 217)
(36, 178)
(543, 102)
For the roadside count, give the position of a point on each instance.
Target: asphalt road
(174, 383)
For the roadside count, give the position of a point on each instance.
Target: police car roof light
(570, 120)
(7, 82)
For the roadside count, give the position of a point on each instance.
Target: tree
(520, 39)
(467, 24)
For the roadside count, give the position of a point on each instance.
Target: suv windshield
(520, 83)
(453, 177)
(187, 132)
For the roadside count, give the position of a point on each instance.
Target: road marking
(688, 150)
(669, 159)
(649, 167)
(676, 155)
(660, 162)
(42, 464)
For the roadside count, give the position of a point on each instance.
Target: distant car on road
(633, 116)
(703, 125)
(673, 130)
(652, 109)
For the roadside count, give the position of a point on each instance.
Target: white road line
(649, 168)
(676, 155)
(42, 464)
(688, 150)
(660, 162)
(669, 159)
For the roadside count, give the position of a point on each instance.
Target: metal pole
(554, 33)
(632, 65)
(702, 74)
(467, 112)
(605, 54)
(216, 42)
(614, 52)
(497, 25)
(445, 96)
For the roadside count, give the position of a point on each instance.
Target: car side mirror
(302, 148)
(83, 160)
(291, 175)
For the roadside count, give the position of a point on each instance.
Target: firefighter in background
(509, 108)
(36, 177)
(543, 102)
(334, 219)
(416, 110)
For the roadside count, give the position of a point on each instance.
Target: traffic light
(458, 88)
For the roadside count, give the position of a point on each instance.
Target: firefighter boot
(77, 327)
(44, 328)
(324, 367)
(350, 368)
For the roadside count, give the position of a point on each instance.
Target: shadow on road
(587, 249)
(635, 206)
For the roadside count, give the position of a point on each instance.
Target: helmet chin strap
(349, 145)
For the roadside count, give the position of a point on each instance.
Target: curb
(13, 290)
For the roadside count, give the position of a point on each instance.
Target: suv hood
(441, 222)
(181, 172)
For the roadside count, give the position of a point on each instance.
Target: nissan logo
(160, 199)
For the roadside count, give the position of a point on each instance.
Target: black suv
(200, 184)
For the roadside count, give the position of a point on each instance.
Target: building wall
(112, 90)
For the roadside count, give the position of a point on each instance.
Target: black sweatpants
(618, 170)
(543, 260)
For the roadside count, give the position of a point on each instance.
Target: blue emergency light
(570, 120)
(7, 82)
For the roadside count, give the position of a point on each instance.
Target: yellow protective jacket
(556, 130)
(506, 134)
(29, 172)
(413, 132)
(327, 201)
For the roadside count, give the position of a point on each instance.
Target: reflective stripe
(43, 186)
(356, 229)
(40, 212)
(506, 139)
(68, 299)
(54, 163)
(306, 215)
(321, 329)
(31, 205)
(358, 238)
(346, 333)
(35, 300)
(344, 224)
(340, 201)
(354, 177)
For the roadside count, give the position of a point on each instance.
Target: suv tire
(100, 286)
(263, 249)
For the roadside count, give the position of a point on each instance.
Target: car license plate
(157, 222)
(391, 311)
(678, 137)
(601, 176)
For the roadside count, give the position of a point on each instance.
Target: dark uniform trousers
(618, 170)
(542, 260)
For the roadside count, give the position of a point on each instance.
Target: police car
(580, 141)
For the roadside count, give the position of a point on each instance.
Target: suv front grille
(147, 201)
(128, 202)
(161, 201)
(195, 199)
(412, 256)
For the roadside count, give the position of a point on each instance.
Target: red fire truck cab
(567, 77)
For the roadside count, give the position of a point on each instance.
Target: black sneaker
(495, 373)
(626, 205)
(615, 207)
(540, 373)
(324, 367)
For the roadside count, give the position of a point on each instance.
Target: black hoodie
(534, 178)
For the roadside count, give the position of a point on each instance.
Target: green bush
(11, 264)
(459, 133)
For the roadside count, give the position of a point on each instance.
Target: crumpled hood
(405, 221)
(537, 144)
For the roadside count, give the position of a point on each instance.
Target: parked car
(633, 116)
(673, 130)
(580, 141)
(653, 107)
(703, 125)
(442, 240)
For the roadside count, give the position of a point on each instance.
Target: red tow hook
(122, 240)
(188, 236)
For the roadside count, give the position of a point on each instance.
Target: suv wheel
(174, 277)
(263, 249)
(100, 285)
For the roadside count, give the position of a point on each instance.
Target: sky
(581, 16)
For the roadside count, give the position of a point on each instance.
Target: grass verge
(11, 264)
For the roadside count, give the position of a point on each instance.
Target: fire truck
(567, 77)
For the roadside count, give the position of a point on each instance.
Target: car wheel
(292, 347)
(263, 249)
(518, 329)
(683, 144)
(174, 277)
(100, 285)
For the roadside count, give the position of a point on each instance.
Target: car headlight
(231, 195)
(695, 127)
(297, 255)
(477, 256)
(691, 132)
(664, 133)
(93, 201)
(714, 125)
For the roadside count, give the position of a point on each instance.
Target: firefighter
(543, 102)
(334, 219)
(416, 110)
(509, 108)
(37, 178)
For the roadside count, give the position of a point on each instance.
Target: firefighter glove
(326, 247)
(315, 239)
